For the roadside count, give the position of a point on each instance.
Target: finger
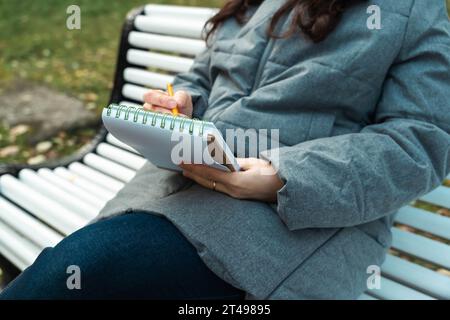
(158, 98)
(209, 184)
(248, 163)
(150, 107)
(183, 115)
(207, 172)
(181, 98)
(152, 92)
(161, 109)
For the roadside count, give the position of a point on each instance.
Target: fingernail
(172, 103)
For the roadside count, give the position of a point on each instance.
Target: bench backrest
(163, 42)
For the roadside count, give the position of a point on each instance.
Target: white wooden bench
(39, 206)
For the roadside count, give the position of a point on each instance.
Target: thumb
(247, 163)
(182, 98)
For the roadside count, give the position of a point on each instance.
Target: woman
(363, 119)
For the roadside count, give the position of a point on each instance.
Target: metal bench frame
(150, 36)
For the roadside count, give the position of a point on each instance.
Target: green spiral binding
(155, 116)
(108, 112)
(163, 120)
(136, 115)
(182, 124)
(144, 119)
(127, 113)
(191, 126)
(172, 123)
(202, 128)
(120, 110)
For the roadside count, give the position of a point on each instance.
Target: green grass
(36, 45)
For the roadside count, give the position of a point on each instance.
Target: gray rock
(46, 111)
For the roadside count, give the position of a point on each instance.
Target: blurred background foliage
(36, 47)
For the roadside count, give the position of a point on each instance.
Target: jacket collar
(266, 9)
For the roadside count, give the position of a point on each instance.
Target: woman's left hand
(257, 179)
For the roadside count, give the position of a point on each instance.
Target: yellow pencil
(170, 92)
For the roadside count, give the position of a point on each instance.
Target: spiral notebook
(165, 140)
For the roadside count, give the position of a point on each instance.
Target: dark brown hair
(315, 18)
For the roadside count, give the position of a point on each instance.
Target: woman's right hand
(157, 100)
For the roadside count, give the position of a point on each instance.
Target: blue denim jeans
(133, 256)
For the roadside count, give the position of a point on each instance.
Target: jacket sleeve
(356, 178)
(197, 82)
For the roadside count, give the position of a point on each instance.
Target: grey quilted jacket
(364, 122)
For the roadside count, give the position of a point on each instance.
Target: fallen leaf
(36, 160)
(91, 97)
(444, 272)
(9, 151)
(43, 146)
(444, 212)
(18, 131)
(91, 106)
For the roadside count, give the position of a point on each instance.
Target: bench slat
(439, 196)
(89, 186)
(146, 78)
(391, 290)
(109, 167)
(123, 157)
(417, 277)
(102, 180)
(159, 60)
(42, 186)
(17, 249)
(134, 92)
(26, 225)
(425, 221)
(421, 247)
(48, 210)
(51, 177)
(195, 13)
(172, 26)
(166, 43)
(116, 142)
